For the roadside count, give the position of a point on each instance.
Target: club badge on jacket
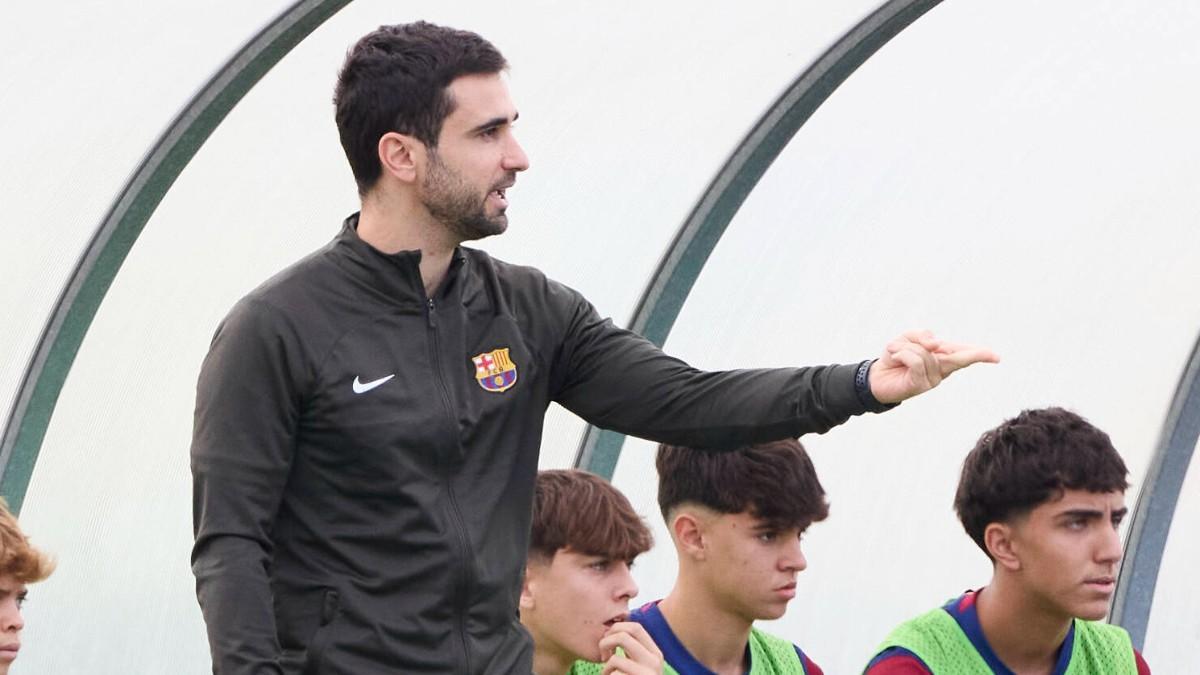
(494, 371)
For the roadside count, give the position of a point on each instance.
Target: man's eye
(599, 565)
(766, 536)
(490, 132)
(21, 599)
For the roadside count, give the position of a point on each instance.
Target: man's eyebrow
(495, 122)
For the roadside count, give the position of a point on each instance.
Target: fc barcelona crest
(495, 371)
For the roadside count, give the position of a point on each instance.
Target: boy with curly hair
(1042, 495)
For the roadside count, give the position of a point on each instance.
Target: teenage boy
(20, 564)
(736, 520)
(1043, 495)
(575, 598)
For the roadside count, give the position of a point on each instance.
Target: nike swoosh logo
(363, 387)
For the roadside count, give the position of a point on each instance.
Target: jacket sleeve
(618, 380)
(247, 407)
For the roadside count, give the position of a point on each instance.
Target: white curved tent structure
(792, 185)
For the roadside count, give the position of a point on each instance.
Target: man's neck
(391, 227)
(716, 637)
(1023, 634)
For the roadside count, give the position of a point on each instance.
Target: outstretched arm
(620, 381)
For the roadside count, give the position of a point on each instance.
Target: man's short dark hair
(395, 79)
(775, 482)
(584, 513)
(1030, 460)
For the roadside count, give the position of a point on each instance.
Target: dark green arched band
(1155, 509)
(686, 256)
(677, 272)
(105, 253)
(656, 311)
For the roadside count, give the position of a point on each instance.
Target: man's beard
(457, 205)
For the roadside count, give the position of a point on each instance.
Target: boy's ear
(1000, 539)
(688, 531)
(529, 584)
(399, 155)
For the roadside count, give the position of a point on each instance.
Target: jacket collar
(394, 275)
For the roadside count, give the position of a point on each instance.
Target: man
(1043, 495)
(20, 564)
(577, 588)
(736, 520)
(368, 421)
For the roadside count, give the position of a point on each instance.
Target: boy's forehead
(569, 552)
(747, 519)
(1068, 499)
(1101, 500)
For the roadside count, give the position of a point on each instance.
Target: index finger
(633, 638)
(960, 356)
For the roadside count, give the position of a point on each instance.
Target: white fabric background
(1014, 173)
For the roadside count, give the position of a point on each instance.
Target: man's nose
(514, 156)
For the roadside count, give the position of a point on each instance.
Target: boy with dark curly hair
(1043, 495)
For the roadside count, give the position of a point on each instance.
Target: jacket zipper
(456, 515)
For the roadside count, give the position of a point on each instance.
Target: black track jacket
(363, 476)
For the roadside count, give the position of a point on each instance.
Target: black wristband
(862, 389)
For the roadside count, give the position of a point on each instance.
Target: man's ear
(399, 156)
(1000, 541)
(688, 531)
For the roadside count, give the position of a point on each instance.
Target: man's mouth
(500, 188)
(498, 195)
